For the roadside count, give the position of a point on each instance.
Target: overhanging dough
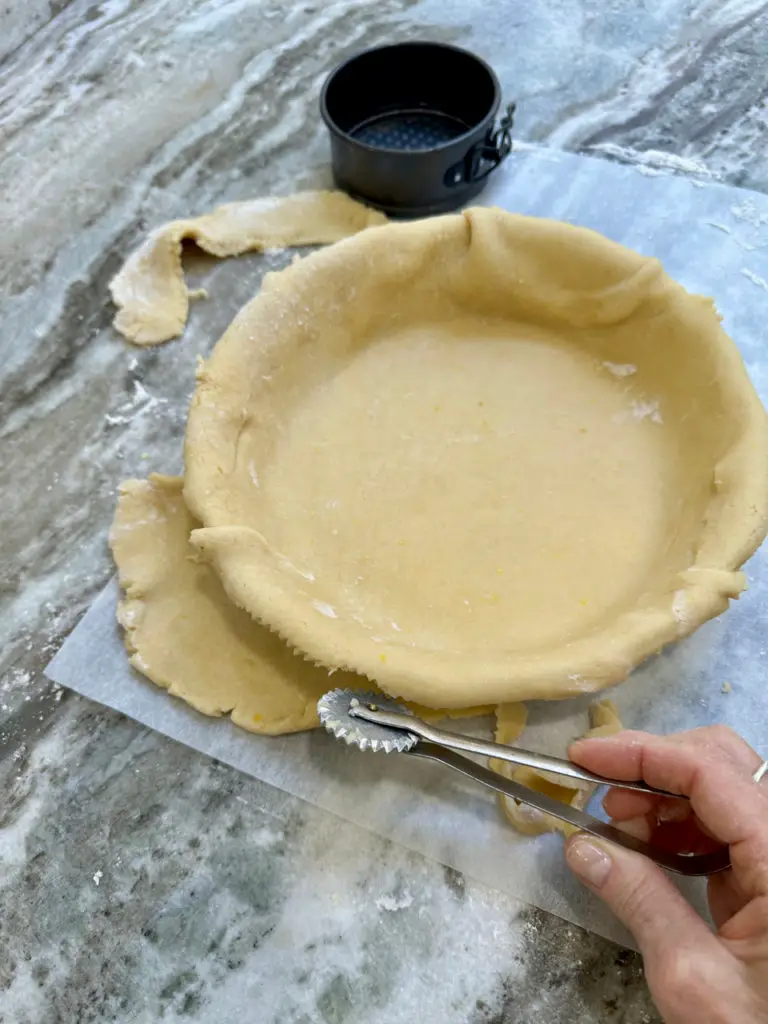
(186, 636)
(149, 290)
(478, 458)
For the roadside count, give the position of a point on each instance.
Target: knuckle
(724, 735)
(719, 742)
(715, 735)
(633, 900)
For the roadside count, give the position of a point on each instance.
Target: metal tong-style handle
(455, 741)
(680, 863)
(437, 748)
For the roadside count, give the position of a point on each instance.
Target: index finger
(712, 766)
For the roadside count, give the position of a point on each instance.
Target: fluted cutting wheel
(334, 708)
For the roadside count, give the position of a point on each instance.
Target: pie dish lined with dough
(479, 459)
(183, 633)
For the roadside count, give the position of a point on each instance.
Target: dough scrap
(530, 821)
(411, 460)
(184, 634)
(149, 290)
(511, 720)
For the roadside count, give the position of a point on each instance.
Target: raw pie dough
(183, 634)
(479, 458)
(510, 722)
(186, 636)
(149, 290)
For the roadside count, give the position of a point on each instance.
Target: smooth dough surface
(478, 458)
(530, 821)
(184, 634)
(149, 290)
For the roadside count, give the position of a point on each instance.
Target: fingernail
(589, 861)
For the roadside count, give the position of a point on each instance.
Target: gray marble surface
(140, 881)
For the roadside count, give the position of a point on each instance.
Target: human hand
(695, 976)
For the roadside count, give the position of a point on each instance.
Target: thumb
(642, 897)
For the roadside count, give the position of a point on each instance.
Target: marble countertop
(139, 880)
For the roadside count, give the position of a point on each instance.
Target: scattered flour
(139, 403)
(641, 409)
(679, 606)
(647, 409)
(620, 369)
(652, 162)
(393, 903)
(755, 278)
(580, 683)
(286, 563)
(325, 609)
(749, 212)
(264, 838)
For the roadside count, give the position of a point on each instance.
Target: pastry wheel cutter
(373, 722)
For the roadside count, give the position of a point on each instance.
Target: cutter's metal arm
(454, 741)
(392, 728)
(681, 864)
